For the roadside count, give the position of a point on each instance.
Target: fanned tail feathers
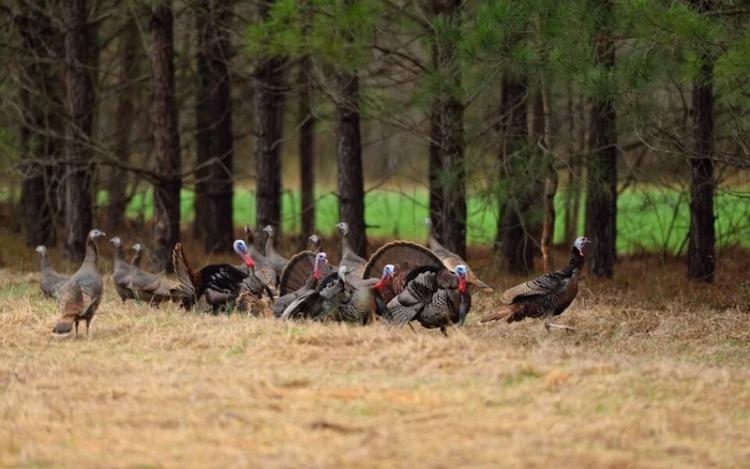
(182, 270)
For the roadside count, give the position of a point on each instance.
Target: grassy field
(656, 376)
(649, 219)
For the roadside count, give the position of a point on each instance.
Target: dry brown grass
(657, 375)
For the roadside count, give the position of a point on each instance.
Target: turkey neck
(576, 262)
(44, 262)
(119, 260)
(269, 245)
(92, 252)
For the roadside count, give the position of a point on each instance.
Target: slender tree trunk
(214, 43)
(202, 129)
(449, 110)
(436, 172)
(575, 170)
(349, 160)
(543, 136)
(40, 148)
(306, 150)
(79, 50)
(124, 116)
(518, 225)
(269, 108)
(166, 138)
(601, 200)
(701, 245)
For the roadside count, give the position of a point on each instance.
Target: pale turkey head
(580, 244)
(313, 242)
(343, 228)
(321, 259)
(342, 273)
(387, 276)
(96, 234)
(269, 230)
(137, 247)
(116, 242)
(41, 250)
(240, 247)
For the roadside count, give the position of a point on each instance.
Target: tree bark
(520, 223)
(218, 184)
(124, 116)
(601, 199)
(436, 171)
(575, 170)
(543, 137)
(349, 160)
(449, 111)
(79, 51)
(269, 108)
(166, 138)
(701, 244)
(306, 150)
(40, 122)
(202, 131)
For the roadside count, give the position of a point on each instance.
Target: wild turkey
(252, 288)
(434, 297)
(354, 264)
(277, 261)
(81, 294)
(219, 283)
(362, 299)
(313, 243)
(321, 302)
(406, 256)
(545, 296)
(301, 274)
(51, 281)
(450, 259)
(121, 275)
(138, 250)
(264, 268)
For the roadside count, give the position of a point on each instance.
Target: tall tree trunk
(519, 225)
(543, 137)
(436, 171)
(269, 108)
(129, 49)
(601, 197)
(202, 130)
(218, 185)
(701, 246)
(575, 169)
(349, 160)
(79, 51)
(166, 138)
(39, 105)
(306, 150)
(449, 112)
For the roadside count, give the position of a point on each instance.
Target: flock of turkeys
(400, 283)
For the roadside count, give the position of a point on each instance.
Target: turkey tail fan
(183, 271)
(403, 254)
(296, 272)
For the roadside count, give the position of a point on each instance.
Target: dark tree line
(528, 97)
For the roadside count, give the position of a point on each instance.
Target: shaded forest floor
(656, 375)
